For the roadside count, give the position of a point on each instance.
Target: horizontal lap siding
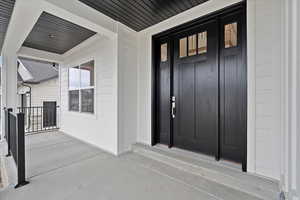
(99, 129)
(268, 84)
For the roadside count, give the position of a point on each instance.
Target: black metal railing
(15, 136)
(40, 118)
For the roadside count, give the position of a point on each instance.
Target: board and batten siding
(264, 83)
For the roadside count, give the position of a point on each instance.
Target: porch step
(222, 173)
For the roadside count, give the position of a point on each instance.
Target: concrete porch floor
(60, 167)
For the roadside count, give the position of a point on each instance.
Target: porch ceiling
(56, 35)
(141, 14)
(6, 8)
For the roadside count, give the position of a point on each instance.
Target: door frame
(241, 6)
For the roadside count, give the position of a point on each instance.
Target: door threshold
(201, 157)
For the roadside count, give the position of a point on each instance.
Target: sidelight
(164, 52)
(230, 32)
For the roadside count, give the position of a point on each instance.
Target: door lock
(173, 107)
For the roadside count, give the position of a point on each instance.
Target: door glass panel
(164, 52)
(230, 35)
(192, 45)
(202, 42)
(183, 47)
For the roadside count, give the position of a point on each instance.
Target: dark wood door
(49, 114)
(195, 126)
(164, 91)
(233, 87)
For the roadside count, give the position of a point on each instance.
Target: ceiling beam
(82, 15)
(27, 52)
(24, 16)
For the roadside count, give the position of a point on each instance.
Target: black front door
(195, 123)
(201, 86)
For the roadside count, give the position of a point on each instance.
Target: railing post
(21, 150)
(7, 128)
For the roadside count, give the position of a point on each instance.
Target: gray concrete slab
(63, 168)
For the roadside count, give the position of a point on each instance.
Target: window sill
(83, 114)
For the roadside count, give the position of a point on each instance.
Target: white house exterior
(45, 91)
(39, 82)
(123, 89)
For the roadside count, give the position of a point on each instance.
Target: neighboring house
(38, 87)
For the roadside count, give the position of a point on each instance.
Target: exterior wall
(100, 128)
(127, 88)
(268, 87)
(264, 35)
(110, 128)
(45, 91)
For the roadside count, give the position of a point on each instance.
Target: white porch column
(9, 84)
(291, 92)
(11, 81)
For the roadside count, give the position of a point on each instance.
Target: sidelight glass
(164, 52)
(183, 47)
(87, 74)
(202, 42)
(87, 100)
(192, 45)
(230, 37)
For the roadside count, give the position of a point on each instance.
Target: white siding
(264, 60)
(45, 91)
(268, 84)
(99, 129)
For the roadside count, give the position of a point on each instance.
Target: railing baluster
(39, 118)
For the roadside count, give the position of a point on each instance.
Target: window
(74, 100)
(81, 88)
(164, 52)
(230, 32)
(202, 42)
(87, 74)
(74, 78)
(87, 100)
(192, 45)
(182, 47)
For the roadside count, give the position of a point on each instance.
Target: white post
(8, 85)
(11, 81)
(297, 18)
(2, 86)
(291, 92)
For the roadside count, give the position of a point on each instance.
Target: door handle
(173, 107)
